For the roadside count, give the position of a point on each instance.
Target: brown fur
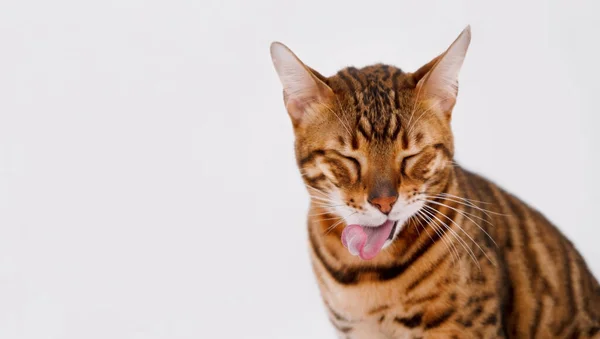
(497, 269)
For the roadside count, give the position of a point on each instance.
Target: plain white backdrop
(148, 187)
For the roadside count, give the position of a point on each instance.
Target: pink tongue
(366, 241)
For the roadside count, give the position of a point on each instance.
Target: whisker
(318, 214)
(332, 111)
(468, 203)
(466, 216)
(319, 195)
(322, 199)
(487, 213)
(422, 114)
(330, 228)
(451, 243)
(441, 236)
(339, 119)
(465, 232)
(417, 219)
(460, 211)
(465, 199)
(461, 240)
(325, 204)
(345, 113)
(335, 218)
(316, 190)
(420, 215)
(320, 205)
(412, 112)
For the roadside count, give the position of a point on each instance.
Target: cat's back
(546, 286)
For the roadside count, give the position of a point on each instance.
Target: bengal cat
(404, 242)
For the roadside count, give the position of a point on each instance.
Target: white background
(148, 187)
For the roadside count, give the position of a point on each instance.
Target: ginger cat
(401, 242)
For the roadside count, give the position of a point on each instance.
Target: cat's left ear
(438, 80)
(301, 87)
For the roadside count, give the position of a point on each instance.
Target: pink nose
(384, 204)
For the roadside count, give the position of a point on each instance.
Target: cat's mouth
(367, 241)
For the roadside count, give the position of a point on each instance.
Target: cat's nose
(384, 203)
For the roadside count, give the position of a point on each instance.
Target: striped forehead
(374, 96)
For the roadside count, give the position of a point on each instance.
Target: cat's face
(350, 160)
(372, 144)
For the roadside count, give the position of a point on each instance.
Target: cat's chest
(360, 302)
(383, 324)
(381, 331)
(372, 309)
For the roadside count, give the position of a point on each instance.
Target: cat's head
(372, 144)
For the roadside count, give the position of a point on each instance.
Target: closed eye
(355, 164)
(426, 163)
(342, 169)
(405, 160)
(333, 154)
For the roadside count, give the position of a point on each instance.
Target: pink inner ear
(297, 107)
(439, 88)
(301, 87)
(297, 104)
(440, 84)
(445, 105)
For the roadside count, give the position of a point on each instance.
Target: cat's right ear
(301, 88)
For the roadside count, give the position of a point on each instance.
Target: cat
(404, 242)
